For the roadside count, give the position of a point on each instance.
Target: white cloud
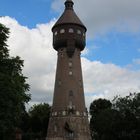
(102, 15)
(108, 80)
(35, 47)
(85, 52)
(57, 5)
(136, 61)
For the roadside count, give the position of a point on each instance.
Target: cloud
(136, 61)
(108, 80)
(57, 5)
(34, 46)
(101, 16)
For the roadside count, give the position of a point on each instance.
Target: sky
(110, 61)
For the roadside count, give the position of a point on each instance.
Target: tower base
(68, 128)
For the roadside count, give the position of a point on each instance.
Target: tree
(98, 105)
(39, 119)
(118, 120)
(97, 123)
(13, 88)
(129, 108)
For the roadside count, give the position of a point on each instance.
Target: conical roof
(69, 16)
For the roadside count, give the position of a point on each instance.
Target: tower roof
(69, 16)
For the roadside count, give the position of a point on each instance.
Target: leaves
(39, 118)
(4, 32)
(116, 121)
(13, 87)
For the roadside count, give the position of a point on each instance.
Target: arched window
(71, 30)
(62, 31)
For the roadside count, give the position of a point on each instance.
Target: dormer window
(79, 32)
(71, 30)
(62, 31)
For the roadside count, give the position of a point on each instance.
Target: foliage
(38, 118)
(118, 120)
(13, 88)
(98, 105)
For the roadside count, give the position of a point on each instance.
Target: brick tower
(69, 117)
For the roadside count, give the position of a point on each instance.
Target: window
(55, 128)
(55, 33)
(77, 113)
(70, 93)
(62, 31)
(85, 114)
(70, 64)
(55, 114)
(70, 73)
(80, 83)
(71, 30)
(79, 32)
(59, 82)
(64, 113)
(71, 135)
(70, 104)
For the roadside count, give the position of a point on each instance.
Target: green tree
(39, 119)
(97, 126)
(98, 105)
(119, 120)
(13, 88)
(129, 108)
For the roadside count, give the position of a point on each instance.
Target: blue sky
(116, 47)
(28, 12)
(111, 61)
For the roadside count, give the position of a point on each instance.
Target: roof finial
(69, 4)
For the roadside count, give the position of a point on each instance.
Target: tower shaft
(69, 118)
(69, 82)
